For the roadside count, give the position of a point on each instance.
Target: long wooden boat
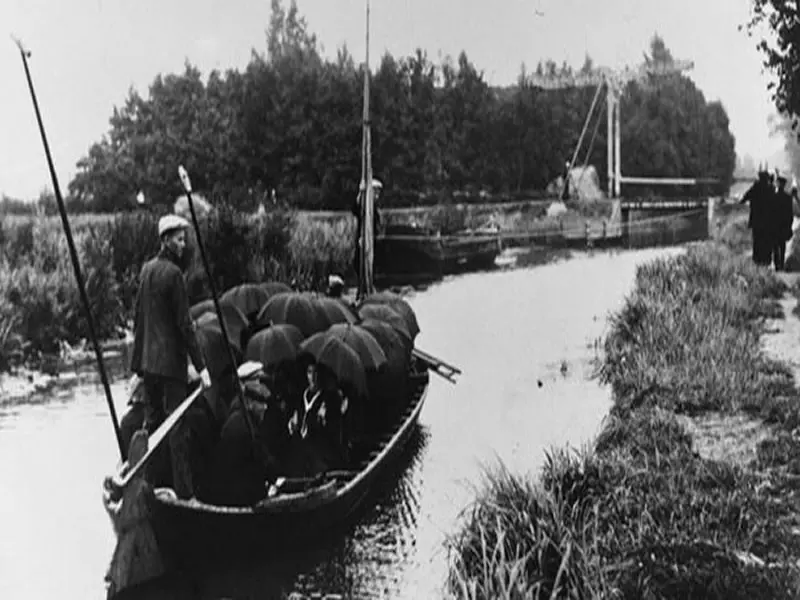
(196, 532)
(411, 251)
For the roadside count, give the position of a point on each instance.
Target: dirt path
(734, 438)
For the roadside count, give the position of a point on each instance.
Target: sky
(86, 54)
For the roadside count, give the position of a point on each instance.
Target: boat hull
(191, 536)
(416, 253)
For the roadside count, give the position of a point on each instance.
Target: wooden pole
(365, 282)
(73, 254)
(187, 185)
(610, 140)
(617, 146)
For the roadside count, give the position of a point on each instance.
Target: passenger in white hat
(335, 286)
(164, 339)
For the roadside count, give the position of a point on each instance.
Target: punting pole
(187, 186)
(72, 252)
(365, 283)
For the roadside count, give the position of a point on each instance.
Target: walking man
(760, 196)
(164, 335)
(784, 215)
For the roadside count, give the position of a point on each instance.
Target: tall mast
(365, 279)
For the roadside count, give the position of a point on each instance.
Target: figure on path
(164, 335)
(760, 196)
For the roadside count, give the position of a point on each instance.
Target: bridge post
(710, 214)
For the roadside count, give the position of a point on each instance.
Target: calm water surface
(507, 331)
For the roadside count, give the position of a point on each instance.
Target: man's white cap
(335, 280)
(171, 222)
(376, 183)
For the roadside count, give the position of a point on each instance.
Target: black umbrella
(247, 297)
(275, 345)
(199, 309)
(386, 314)
(392, 343)
(212, 344)
(367, 348)
(340, 359)
(295, 308)
(335, 311)
(400, 306)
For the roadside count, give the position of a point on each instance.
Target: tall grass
(39, 301)
(643, 515)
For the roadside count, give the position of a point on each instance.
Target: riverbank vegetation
(40, 306)
(650, 512)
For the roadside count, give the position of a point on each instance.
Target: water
(508, 331)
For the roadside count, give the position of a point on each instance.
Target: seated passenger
(240, 465)
(315, 427)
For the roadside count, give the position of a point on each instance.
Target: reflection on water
(524, 340)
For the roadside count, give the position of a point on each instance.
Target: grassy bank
(39, 301)
(646, 513)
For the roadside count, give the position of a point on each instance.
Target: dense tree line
(291, 121)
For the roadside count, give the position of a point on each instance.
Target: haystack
(584, 185)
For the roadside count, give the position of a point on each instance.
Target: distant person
(759, 196)
(377, 188)
(782, 223)
(164, 335)
(335, 286)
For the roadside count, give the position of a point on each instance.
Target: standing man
(164, 334)
(377, 188)
(784, 215)
(760, 196)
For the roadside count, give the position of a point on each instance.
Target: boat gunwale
(284, 501)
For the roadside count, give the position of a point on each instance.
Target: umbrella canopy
(247, 297)
(274, 287)
(340, 359)
(400, 306)
(385, 313)
(295, 308)
(201, 308)
(275, 345)
(212, 344)
(369, 351)
(335, 311)
(392, 343)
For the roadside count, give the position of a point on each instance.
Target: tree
(781, 54)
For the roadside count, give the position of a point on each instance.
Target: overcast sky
(87, 53)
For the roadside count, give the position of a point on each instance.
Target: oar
(436, 365)
(187, 186)
(73, 254)
(120, 481)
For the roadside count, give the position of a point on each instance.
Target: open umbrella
(247, 297)
(212, 345)
(385, 313)
(400, 306)
(274, 345)
(340, 358)
(296, 308)
(201, 308)
(391, 342)
(335, 311)
(369, 351)
(274, 287)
